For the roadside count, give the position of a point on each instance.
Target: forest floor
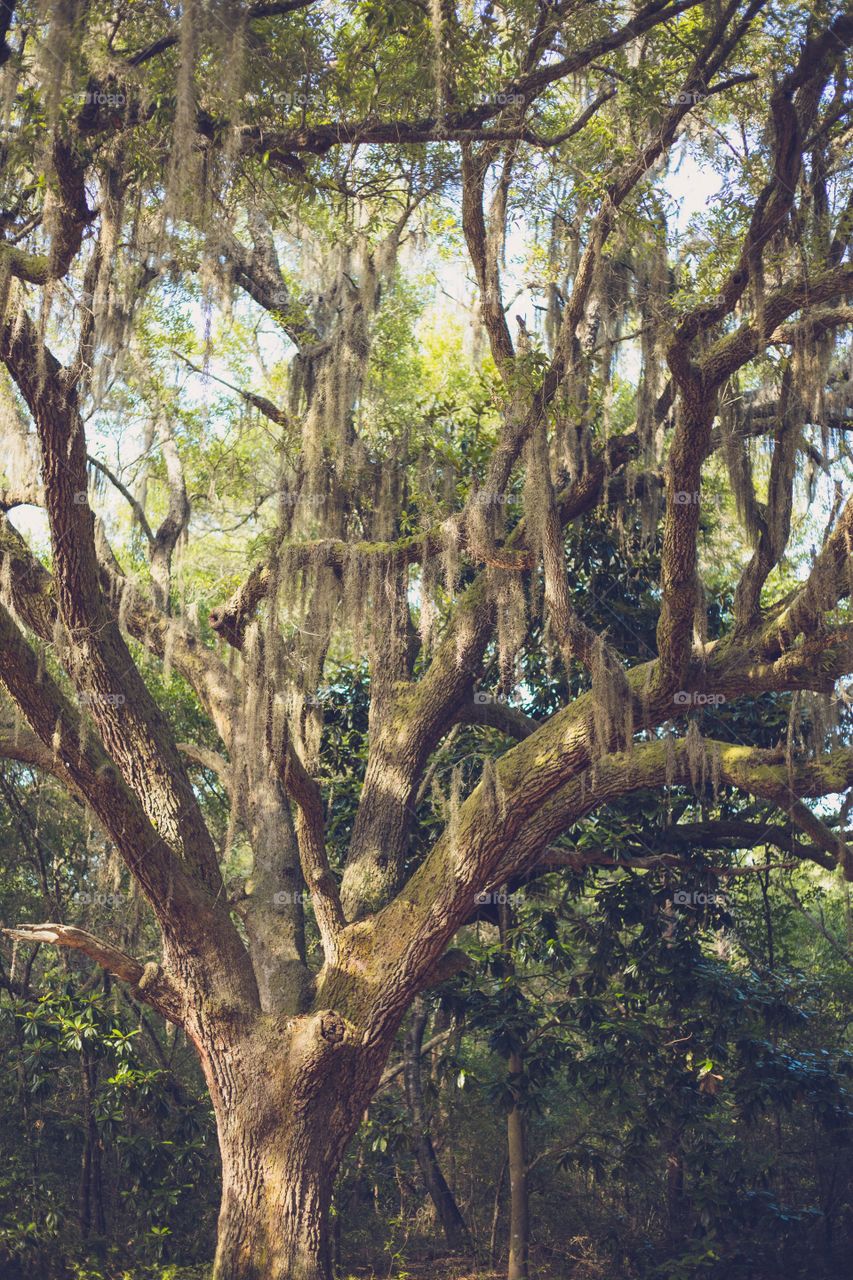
(433, 1270)
(450, 1269)
(430, 1270)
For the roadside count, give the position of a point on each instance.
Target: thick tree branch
(147, 981)
(69, 218)
(189, 918)
(495, 714)
(283, 147)
(506, 821)
(830, 580)
(129, 720)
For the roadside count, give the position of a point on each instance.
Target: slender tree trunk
(496, 1216)
(519, 1205)
(675, 1186)
(449, 1215)
(516, 1135)
(89, 1140)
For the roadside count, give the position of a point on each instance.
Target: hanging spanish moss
(652, 298)
(612, 713)
(56, 54)
(182, 185)
(428, 608)
(736, 453)
(436, 18)
(451, 559)
(697, 755)
(110, 314)
(332, 377)
(511, 611)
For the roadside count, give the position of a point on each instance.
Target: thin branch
(134, 504)
(255, 13)
(391, 1073)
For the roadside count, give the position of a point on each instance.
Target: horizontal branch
(207, 759)
(148, 981)
(734, 350)
(283, 146)
(391, 1073)
(501, 828)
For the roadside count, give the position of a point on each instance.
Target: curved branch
(135, 506)
(148, 981)
(121, 705)
(830, 580)
(254, 14)
(495, 714)
(507, 820)
(195, 925)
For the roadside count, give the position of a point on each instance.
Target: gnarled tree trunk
(288, 1095)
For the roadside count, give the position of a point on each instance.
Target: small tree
(139, 155)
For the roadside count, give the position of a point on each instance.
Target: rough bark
(288, 1095)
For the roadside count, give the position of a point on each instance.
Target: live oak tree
(291, 154)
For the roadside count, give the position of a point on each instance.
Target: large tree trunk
(288, 1097)
(276, 1190)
